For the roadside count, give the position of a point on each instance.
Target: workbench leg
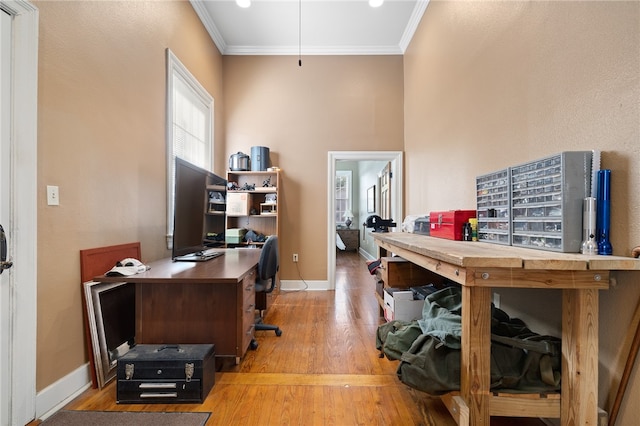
(579, 403)
(475, 362)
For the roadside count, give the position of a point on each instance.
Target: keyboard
(200, 257)
(210, 254)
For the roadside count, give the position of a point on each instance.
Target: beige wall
(485, 85)
(101, 139)
(331, 103)
(493, 84)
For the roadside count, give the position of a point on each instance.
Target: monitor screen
(193, 228)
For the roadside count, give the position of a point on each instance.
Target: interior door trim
(397, 162)
(19, 395)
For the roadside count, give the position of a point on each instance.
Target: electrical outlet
(295, 257)
(496, 300)
(53, 195)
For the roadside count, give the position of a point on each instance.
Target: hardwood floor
(323, 370)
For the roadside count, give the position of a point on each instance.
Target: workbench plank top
(479, 254)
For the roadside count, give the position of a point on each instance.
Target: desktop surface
(232, 267)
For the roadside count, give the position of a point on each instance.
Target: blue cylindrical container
(259, 158)
(603, 216)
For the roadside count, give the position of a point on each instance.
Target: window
(189, 127)
(343, 194)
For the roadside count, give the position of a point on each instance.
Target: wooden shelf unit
(260, 215)
(479, 267)
(215, 210)
(264, 221)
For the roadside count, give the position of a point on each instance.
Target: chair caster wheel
(278, 332)
(253, 345)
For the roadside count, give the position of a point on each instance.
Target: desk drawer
(248, 312)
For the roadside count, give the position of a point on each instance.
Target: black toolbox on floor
(165, 374)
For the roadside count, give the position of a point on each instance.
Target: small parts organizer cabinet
(350, 238)
(478, 269)
(536, 204)
(546, 201)
(257, 208)
(494, 210)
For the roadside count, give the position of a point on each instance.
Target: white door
(5, 109)
(18, 206)
(385, 192)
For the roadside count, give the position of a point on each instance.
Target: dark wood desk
(197, 302)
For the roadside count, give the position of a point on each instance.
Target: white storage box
(237, 203)
(400, 305)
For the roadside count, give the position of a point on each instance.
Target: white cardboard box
(401, 306)
(237, 203)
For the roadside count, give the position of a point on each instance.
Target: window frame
(175, 68)
(348, 174)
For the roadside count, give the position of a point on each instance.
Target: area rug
(125, 418)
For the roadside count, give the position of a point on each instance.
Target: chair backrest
(269, 263)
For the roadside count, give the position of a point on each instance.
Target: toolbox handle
(157, 386)
(159, 395)
(176, 347)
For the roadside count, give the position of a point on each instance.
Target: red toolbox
(448, 224)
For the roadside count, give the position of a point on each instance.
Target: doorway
(395, 158)
(18, 210)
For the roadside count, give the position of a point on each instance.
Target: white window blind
(189, 127)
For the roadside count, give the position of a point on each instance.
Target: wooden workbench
(479, 267)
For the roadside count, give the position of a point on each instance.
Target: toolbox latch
(128, 371)
(188, 371)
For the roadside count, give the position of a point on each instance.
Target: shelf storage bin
(494, 207)
(546, 201)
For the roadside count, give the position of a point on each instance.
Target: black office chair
(268, 266)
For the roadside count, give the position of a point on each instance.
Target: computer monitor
(194, 230)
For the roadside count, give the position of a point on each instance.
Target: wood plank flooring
(323, 370)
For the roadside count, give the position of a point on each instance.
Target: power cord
(306, 286)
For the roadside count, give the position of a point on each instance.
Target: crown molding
(324, 50)
(412, 25)
(209, 25)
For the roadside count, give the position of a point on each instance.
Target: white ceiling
(311, 27)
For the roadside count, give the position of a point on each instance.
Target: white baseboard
(57, 395)
(297, 285)
(365, 254)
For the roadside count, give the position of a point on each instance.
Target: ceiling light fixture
(243, 3)
(375, 3)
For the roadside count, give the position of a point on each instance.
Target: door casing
(18, 401)
(396, 160)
